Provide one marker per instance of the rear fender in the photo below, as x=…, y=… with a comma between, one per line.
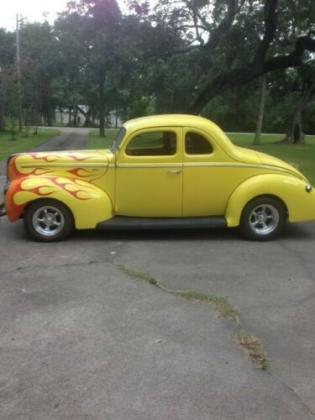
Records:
x=88, y=203
x=290, y=190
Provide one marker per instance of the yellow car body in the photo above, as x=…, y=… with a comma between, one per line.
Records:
x=142, y=180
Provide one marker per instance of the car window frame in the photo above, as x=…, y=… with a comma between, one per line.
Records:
x=217, y=155
x=194, y=131
x=123, y=157
x=158, y=130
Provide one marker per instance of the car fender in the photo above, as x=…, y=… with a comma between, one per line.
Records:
x=300, y=203
x=88, y=203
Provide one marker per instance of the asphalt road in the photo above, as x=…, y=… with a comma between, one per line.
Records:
x=66, y=141
x=82, y=339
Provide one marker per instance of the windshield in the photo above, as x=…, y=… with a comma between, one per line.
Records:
x=116, y=143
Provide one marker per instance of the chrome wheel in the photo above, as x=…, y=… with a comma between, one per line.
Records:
x=48, y=221
x=264, y=219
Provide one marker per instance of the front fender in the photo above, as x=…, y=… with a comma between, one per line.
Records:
x=88, y=203
x=291, y=191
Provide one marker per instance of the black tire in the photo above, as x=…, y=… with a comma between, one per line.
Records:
x=263, y=219
x=48, y=220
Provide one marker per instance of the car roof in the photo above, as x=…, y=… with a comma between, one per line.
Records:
x=180, y=120
x=168, y=120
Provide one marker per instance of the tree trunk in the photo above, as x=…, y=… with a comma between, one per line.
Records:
x=2, y=126
x=2, y=104
x=49, y=116
x=69, y=116
x=102, y=121
x=102, y=107
x=87, y=122
x=75, y=117
x=261, y=109
x=295, y=134
x=18, y=75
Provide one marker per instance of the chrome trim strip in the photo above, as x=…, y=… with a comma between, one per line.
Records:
x=68, y=165
x=150, y=165
x=244, y=165
x=202, y=165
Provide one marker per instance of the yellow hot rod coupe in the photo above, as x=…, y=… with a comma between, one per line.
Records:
x=162, y=171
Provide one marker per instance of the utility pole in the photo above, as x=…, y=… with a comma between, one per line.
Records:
x=18, y=73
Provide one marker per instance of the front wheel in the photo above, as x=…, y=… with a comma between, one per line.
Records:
x=263, y=219
x=48, y=220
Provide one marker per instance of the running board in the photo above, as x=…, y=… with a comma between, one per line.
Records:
x=138, y=223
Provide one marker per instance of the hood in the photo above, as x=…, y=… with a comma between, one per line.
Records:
x=73, y=163
x=251, y=156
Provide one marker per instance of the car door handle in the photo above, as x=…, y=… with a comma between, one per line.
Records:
x=174, y=171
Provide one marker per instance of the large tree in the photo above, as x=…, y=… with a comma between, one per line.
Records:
x=99, y=43
x=237, y=41
x=7, y=75
x=41, y=66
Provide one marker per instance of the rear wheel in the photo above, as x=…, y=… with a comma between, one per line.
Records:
x=48, y=220
x=263, y=219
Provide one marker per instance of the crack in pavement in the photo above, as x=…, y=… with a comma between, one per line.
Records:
x=292, y=391
x=298, y=256
x=45, y=266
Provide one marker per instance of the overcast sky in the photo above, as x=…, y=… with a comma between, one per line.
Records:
x=32, y=10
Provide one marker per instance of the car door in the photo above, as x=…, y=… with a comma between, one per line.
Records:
x=149, y=174
x=209, y=176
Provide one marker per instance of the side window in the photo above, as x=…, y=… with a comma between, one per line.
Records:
x=153, y=143
x=195, y=144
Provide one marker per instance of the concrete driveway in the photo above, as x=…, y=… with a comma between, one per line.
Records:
x=84, y=336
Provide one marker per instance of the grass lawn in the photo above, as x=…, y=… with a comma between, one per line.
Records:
x=23, y=144
x=302, y=156
x=97, y=142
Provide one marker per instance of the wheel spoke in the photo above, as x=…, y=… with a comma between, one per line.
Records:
x=264, y=219
x=48, y=221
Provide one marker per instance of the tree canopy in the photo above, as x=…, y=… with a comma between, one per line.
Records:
x=196, y=56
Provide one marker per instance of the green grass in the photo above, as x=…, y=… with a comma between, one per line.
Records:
x=302, y=156
x=97, y=142
x=22, y=144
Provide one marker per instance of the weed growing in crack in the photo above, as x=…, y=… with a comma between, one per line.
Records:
x=248, y=342
x=221, y=304
x=138, y=275
x=253, y=348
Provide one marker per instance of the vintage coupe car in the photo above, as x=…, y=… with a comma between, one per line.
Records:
x=162, y=171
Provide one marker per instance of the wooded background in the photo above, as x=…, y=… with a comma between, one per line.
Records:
x=225, y=59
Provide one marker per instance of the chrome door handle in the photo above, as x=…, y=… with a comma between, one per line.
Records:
x=174, y=171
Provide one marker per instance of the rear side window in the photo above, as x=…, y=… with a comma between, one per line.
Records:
x=153, y=143
x=195, y=144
